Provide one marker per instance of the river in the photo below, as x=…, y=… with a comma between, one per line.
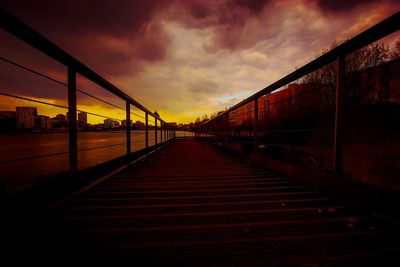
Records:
x=26, y=158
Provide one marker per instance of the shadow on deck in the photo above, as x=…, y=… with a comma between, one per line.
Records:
x=190, y=205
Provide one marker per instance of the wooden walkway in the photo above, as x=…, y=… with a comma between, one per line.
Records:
x=190, y=205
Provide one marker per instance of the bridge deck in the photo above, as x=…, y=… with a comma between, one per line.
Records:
x=191, y=205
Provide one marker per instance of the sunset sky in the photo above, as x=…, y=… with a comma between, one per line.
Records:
x=181, y=58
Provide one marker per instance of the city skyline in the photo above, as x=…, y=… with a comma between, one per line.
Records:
x=176, y=57
x=28, y=117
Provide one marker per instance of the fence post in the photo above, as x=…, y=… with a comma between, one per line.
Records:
x=72, y=125
x=227, y=127
x=147, y=130
x=161, y=131
x=128, y=127
x=165, y=131
x=338, y=135
x=255, y=126
x=155, y=130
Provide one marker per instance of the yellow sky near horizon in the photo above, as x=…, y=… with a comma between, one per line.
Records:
x=9, y=104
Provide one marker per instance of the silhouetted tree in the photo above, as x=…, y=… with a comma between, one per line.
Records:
x=361, y=59
x=395, y=53
x=213, y=115
x=366, y=57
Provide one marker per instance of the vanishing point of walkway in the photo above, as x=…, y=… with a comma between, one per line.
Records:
x=191, y=205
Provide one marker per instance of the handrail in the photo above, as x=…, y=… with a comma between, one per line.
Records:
x=13, y=25
x=338, y=55
x=376, y=32
x=16, y=27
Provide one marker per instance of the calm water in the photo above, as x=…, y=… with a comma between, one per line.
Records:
x=20, y=168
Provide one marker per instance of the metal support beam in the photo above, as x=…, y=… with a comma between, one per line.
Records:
x=72, y=124
x=161, y=131
x=128, y=127
x=147, y=130
x=227, y=128
x=155, y=129
x=255, y=127
x=338, y=135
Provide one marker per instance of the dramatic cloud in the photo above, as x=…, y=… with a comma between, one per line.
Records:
x=182, y=58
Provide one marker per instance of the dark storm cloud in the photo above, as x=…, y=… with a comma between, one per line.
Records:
x=75, y=16
x=227, y=17
x=198, y=10
x=335, y=6
x=76, y=25
x=255, y=6
x=114, y=38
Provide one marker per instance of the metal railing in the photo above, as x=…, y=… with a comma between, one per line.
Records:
x=162, y=130
x=219, y=127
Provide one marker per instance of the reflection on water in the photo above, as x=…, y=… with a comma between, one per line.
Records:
x=27, y=158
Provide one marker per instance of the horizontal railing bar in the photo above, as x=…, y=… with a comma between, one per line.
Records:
x=294, y=130
x=298, y=147
x=16, y=27
x=62, y=153
x=57, y=81
x=33, y=157
x=99, y=99
x=137, y=142
x=55, y=105
x=99, y=147
x=137, y=115
x=376, y=32
x=32, y=71
x=33, y=100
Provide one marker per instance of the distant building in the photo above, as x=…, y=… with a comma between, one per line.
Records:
x=139, y=125
x=7, y=115
x=26, y=117
x=123, y=123
x=98, y=127
x=43, y=122
x=172, y=125
x=59, y=121
x=82, y=119
x=110, y=124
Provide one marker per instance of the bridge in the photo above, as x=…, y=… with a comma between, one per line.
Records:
x=197, y=200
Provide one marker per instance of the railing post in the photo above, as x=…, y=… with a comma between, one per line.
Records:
x=338, y=135
x=147, y=130
x=255, y=126
x=165, y=131
x=161, y=131
x=155, y=129
x=128, y=127
x=227, y=127
x=72, y=125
